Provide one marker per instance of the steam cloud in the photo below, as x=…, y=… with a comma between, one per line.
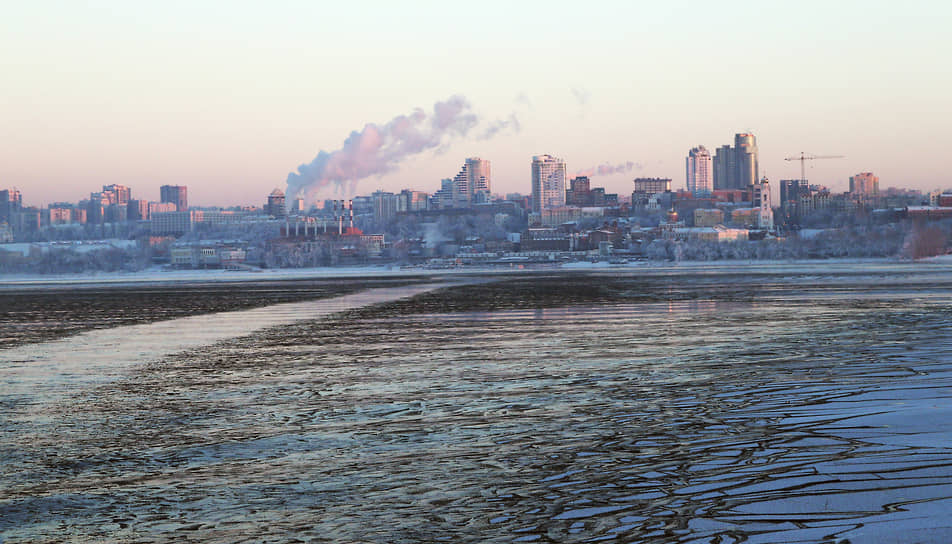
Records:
x=379, y=149
x=523, y=99
x=582, y=96
x=607, y=169
x=509, y=123
x=500, y=125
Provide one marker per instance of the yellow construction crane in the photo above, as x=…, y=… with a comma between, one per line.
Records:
x=804, y=157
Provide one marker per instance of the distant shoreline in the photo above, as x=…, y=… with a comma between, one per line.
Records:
x=218, y=276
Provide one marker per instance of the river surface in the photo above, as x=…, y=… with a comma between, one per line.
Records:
x=671, y=406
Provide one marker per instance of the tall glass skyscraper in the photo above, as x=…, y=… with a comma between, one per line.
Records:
x=548, y=182
x=473, y=184
x=737, y=167
x=700, y=171
x=745, y=149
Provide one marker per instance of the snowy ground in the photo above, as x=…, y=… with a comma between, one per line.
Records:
x=84, y=246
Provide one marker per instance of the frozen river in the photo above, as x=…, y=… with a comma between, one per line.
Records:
x=676, y=406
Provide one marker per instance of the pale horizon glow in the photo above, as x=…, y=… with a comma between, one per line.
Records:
x=229, y=98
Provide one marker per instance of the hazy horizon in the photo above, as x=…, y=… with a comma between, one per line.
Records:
x=229, y=99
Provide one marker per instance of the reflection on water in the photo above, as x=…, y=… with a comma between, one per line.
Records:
x=38, y=371
x=776, y=413
x=31, y=313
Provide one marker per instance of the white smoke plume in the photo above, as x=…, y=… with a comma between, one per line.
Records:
x=379, y=149
x=432, y=236
x=582, y=96
x=607, y=169
x=522, y=99
x=511, y=122
x=499, y=125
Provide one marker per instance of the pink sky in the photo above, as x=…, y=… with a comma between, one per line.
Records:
x=229, y=102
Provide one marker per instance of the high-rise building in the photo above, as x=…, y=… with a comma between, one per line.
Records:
x=443, y=199
x=652, y=185
x=175, y=194
x=276, y=206
x=548, y=182
x=700, y=171
x=580, y=192
x=723, y=167
x=737, y=167
x=11, y=201
x=789, y=191
x=114, y=213
x=160, y=207
x=28, y=219
x=412, y=201
x=864, y=184
x=361, y=205
x=789, y=200
x=460, y=189
x=61, y=213
x=138, y=210
x=96, y=208
x=120, y=194
x=745, y=152
x=480, y=175
x=473, y=183
x=385, y=205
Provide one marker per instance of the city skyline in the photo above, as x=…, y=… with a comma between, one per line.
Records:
x=618, y=177
x=550, y=186
x=151, y=95
x=549, y=173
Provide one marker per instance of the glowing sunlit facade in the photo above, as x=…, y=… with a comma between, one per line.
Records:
x=548, y=182
x=700, y=171
x=473, y=183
